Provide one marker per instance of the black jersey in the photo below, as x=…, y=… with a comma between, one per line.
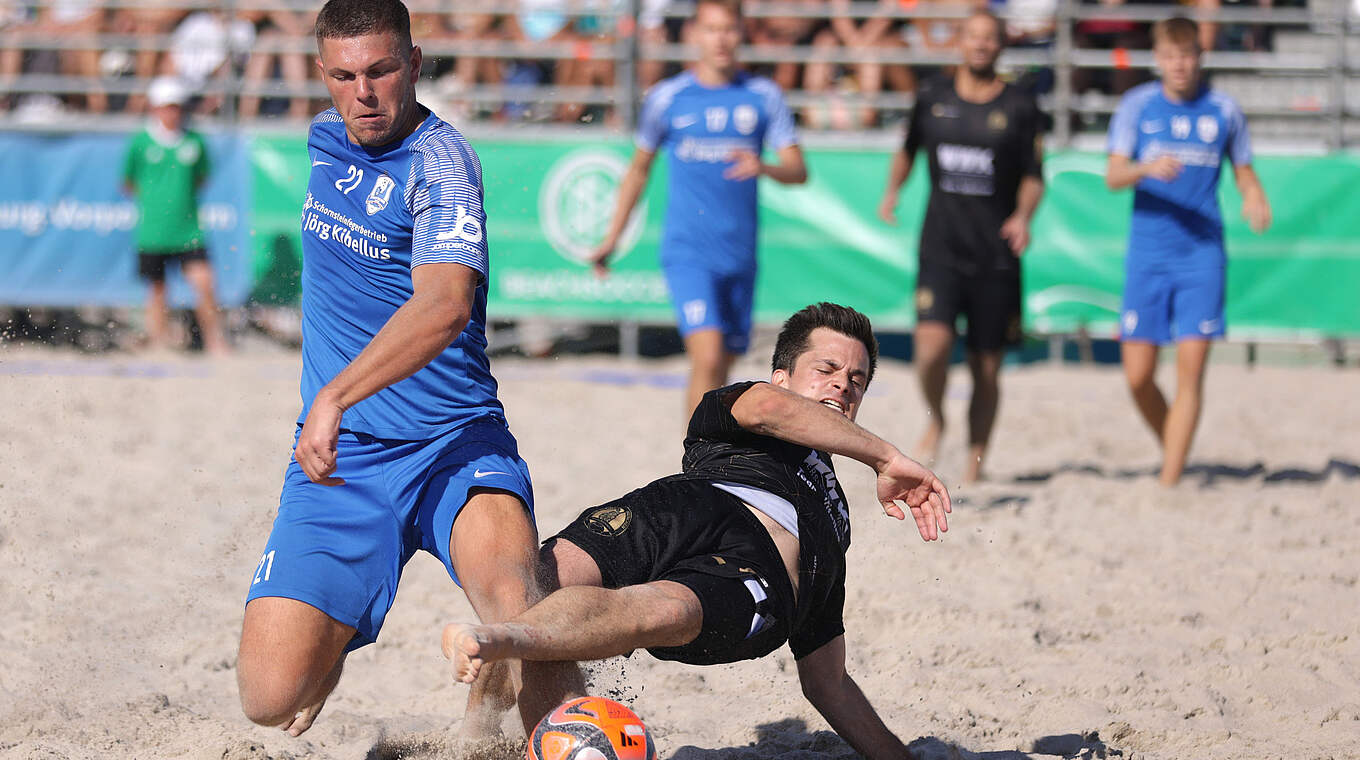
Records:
x=717, y=448
x=978, y=153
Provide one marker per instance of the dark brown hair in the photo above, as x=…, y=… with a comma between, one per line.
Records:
x=794, y=336
x=1177, y=30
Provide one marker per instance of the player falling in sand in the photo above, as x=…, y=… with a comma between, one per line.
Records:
x=1168, y=140
x=744, y=549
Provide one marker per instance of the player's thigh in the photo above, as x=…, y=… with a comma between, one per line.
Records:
x=197, y=269
x=1147, y=307
x=337, y=549
x=562, y=563
x=1197, y=304
x=736, y=298
x=694, y=295
x=743, y=610
x=473, y=500
x=1139, y=359
x=992, y=308
x=939, y=294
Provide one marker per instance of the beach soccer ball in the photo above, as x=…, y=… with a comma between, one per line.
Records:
x=591, y=728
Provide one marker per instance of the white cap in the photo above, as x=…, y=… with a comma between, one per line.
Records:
x=165, y=91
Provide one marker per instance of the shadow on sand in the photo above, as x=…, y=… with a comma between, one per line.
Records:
x=790, y=739
x=1206, y=473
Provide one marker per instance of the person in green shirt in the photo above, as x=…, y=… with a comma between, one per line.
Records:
x=164, y=169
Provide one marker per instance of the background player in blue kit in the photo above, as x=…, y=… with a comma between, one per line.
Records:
x=1168, y=139
x=401, y=432
x=715, y=120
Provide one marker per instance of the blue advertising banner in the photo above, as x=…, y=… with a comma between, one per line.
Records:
x=66, y=228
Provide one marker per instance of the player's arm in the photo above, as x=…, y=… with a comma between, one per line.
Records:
x=1255, y=205
x=438, y=310
x=1015, y=230
x=1122, y=171
x=791, y=169
x=830, y=689
x=630, y=189
x=769, y=410
x=898, y=172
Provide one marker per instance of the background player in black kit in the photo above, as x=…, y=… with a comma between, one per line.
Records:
x=745, y=548
x=985, y=149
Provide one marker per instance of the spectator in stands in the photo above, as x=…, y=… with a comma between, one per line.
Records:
x=471, y=70
x=150, y=23
x=655, y=29
x=798, y=29
x=1032, y=25
x=275, y=28
x=876, y=32
x=67, y=21
x=203, y=46
x=939, y=35
x=544, y=21
x=164, y=169
x=1118, y=36
x=588, y=69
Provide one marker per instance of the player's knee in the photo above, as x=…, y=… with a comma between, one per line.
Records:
x=267, y=699
x=670, y=617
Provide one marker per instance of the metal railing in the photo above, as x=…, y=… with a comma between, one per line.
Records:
x=1328, y=67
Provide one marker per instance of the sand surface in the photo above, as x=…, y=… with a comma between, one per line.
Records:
x=1072, y=595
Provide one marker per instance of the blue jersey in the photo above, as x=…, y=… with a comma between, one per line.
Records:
x=711, y=220
x=371, y=216
x=1177, y=224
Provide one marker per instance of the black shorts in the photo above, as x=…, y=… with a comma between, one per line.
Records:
x=990, y=303
x=151, y=266
x=689, y=532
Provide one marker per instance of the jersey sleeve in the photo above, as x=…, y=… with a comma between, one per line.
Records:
x=712, y=418
x=823, y=624
x=1238, y=146
x=444, y=192
x=1031, y=139
x=781, y=132
x=1123, y=137
x=651, y=131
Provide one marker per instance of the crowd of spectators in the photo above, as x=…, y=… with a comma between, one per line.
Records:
x=255, y=63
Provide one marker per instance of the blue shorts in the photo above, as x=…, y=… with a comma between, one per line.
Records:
x=707, y=300
x=341, y=549
x=1162, y=305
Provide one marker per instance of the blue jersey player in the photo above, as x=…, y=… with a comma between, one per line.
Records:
x=1168, y=140
x=715, y=121
x=401, y=432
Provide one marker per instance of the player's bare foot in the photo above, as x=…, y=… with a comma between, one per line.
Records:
x=303, y=719
x=463, y=644
x=927, y=449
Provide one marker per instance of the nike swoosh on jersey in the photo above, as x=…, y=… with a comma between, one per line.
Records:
x=1148, y=127
x=480, y=474
x=680, y=122
x=321, y=163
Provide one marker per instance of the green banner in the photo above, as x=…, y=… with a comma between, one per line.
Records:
x=548, y=203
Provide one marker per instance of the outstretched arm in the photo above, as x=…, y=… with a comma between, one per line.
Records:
x=770, y=410
x=438, y=310
x=838, y=698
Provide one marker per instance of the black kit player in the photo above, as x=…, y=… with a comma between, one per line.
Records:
x=745, y=548
x=983, y=140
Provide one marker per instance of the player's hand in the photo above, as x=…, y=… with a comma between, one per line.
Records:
x=599, y=258
x=906, y=480
x=887, y=208
x=315, y=451
x=1015, y=231
x=745, y=165
x=1165, y=168
x=1256, y=210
